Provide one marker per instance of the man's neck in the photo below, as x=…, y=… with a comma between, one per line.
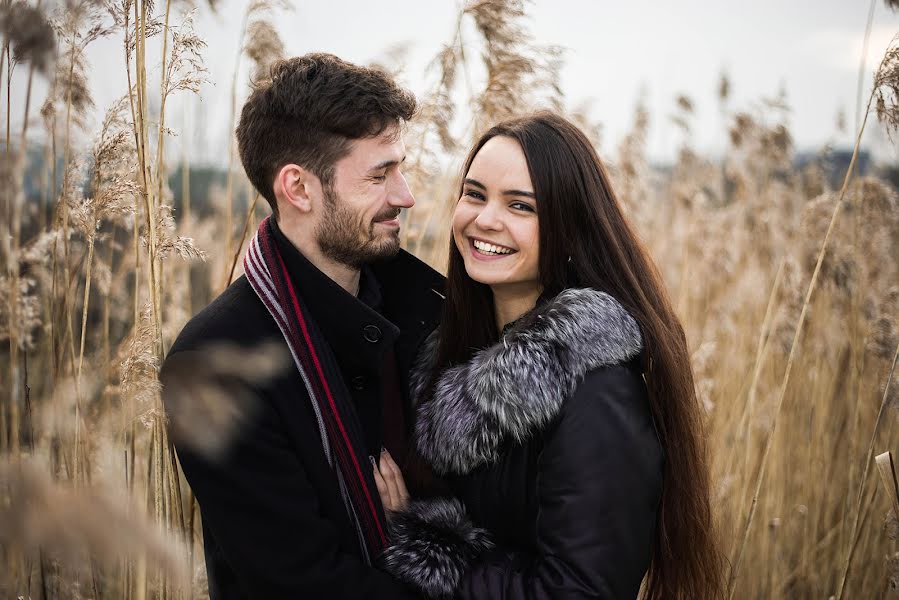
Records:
x=341, y=274
x=510, y=302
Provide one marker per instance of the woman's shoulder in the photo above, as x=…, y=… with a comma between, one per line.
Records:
x=610, y=403
x=612, y=385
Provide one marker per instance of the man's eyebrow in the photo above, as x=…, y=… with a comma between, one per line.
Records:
x=477, y=183
x=386, y=164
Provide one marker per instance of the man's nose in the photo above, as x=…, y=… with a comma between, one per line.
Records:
x=399, y=193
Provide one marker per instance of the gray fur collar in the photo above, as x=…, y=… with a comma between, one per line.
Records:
x=517, y=386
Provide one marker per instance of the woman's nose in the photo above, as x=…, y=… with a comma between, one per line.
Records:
x=489, y=217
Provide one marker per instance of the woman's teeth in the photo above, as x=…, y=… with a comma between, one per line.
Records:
x=490, y=248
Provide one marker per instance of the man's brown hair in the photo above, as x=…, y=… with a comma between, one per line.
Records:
x=308, y=111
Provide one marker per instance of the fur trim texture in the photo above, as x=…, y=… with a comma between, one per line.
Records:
x=517, y=386
x=432, y=544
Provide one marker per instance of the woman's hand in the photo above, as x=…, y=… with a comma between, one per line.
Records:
x=391, y=486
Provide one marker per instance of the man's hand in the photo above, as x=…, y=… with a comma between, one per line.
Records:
x=391, y=486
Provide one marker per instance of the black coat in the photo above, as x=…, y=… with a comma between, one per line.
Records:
x=274, y=523
x=547, y=440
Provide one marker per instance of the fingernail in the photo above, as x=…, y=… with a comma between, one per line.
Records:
x=383, y=450
x=372, y=459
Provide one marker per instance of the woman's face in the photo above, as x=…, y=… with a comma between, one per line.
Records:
x=495, y=223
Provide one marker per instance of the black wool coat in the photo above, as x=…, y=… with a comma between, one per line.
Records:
x=546, y=438
x=274, y=523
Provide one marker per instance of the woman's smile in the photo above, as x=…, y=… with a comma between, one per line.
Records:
x=484, y=250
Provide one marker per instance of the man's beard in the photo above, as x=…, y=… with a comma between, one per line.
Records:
x=344, y=237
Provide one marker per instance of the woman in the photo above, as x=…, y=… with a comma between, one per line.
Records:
x=557, y=398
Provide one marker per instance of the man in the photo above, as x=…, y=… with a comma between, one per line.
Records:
x=290, y=508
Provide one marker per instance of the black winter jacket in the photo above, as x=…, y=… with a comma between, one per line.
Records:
x=274, y=523
x=546, y=438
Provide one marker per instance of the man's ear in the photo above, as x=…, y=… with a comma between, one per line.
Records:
x=297, y=187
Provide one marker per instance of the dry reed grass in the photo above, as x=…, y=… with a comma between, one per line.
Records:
x=787, y=289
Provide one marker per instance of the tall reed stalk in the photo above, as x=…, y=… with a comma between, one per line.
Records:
x=794, y=347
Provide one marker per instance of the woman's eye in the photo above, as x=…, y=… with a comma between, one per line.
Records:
x=522, y=206
x=473, y=194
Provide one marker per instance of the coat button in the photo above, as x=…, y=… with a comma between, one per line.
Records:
x=358, y=382
x=372, y=333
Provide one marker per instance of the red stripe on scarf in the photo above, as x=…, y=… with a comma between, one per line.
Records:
x=324, y=382
x=270, y=250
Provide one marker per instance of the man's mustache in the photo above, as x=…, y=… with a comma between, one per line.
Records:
x=387, y=215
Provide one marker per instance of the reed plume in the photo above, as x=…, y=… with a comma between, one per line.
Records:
x=69, y=523
x=886, y=88
x=208, y=397
x=520, y=73
x=30, y=34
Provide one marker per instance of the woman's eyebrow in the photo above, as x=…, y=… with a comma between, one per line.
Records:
x=477, y=183
x=519, y=193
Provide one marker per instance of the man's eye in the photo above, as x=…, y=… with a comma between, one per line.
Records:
x=379, y=178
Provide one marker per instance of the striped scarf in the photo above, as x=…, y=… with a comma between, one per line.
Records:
x=340, y=430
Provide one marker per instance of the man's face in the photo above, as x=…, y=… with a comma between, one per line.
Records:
x=360, y=211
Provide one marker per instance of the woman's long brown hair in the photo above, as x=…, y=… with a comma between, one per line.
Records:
x=581, y=218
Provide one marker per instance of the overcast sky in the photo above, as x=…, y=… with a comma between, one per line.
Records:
x=616, y=53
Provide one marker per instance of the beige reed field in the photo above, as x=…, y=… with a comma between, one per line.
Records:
x=784, y=273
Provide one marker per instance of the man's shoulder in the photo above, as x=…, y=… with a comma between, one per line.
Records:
x=407, y=270
x=413, y=292
x=236, y=315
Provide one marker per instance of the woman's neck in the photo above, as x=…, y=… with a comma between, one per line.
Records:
x=512, y=301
